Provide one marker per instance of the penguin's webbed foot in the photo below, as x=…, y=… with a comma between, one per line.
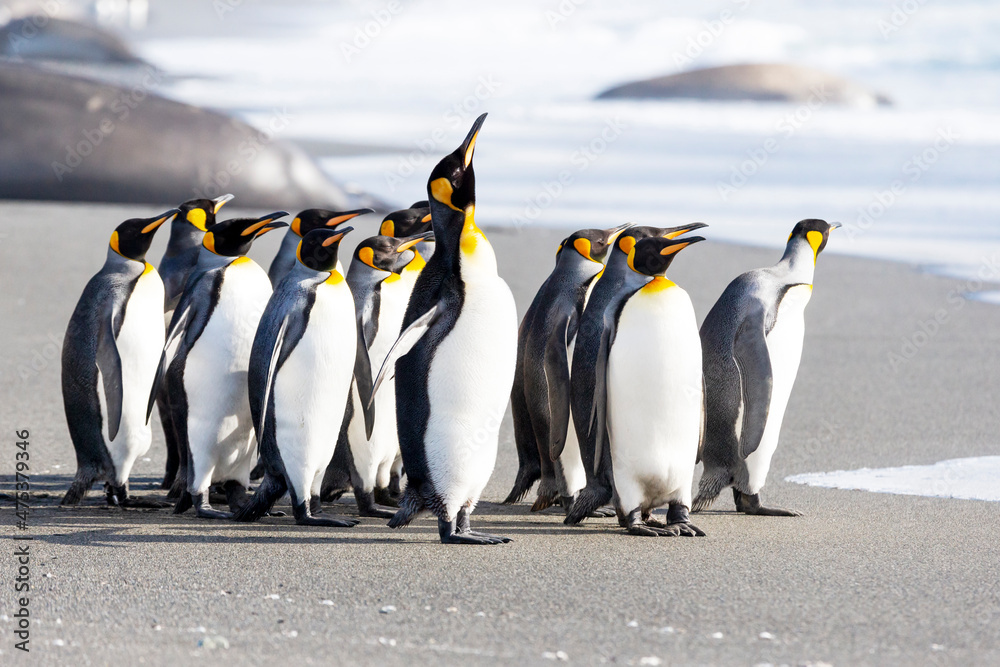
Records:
x=367, y=506
x=304, y=517
x=459, y=532
x=602, y=513
x=750, y=504
x=384, y=496
x=679, y=522
x=204, y=510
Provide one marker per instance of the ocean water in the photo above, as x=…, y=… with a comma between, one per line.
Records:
x=916, y=181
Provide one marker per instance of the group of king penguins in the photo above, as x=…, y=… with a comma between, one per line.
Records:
x=392, y=378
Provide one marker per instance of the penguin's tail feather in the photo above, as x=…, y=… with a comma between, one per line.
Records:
x=410, y=505
x=84, y=479
x=709, y=487
x=527, y=475
x=184, y=503
x=270, y=490
x=586, y=502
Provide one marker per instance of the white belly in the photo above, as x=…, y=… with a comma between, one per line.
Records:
x=373, y=457
x=139, y=342
x=655, y=399
x=784, y=345
x=220, y=431
x=469, y=383
x=310, y=390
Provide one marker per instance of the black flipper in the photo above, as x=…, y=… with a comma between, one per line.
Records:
x=263, y=499
x=363, y=384
x=599, y=405
x=754, y=363
x=109, y=362
x=557, y=382
x=410, y=336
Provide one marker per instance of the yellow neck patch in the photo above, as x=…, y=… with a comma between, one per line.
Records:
x=393, y=277
x=335, y=278
x=297, y=226
x=148, y=269
x=442, y=191
x=583, y=247
x=367, y=256
x=387, y=228
x=472, y=236
x=209, y=241
x=417, y=263
x=658, y=284
x=242, y=259
x=197, y=217
x=815, y=240
x=114, y=242
x=626, y=243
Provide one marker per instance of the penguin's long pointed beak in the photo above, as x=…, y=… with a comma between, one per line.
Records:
x=468, y=146
x=159, y=220
x=681, y=244
x=835, y=225
x=341, y=233
x=265, y=224
x=613, y=234
x=426, y=236
x=220, y=202
x=679, y=231
x=347, y=215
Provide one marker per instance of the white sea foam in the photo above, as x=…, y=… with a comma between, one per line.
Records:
x=975, y=478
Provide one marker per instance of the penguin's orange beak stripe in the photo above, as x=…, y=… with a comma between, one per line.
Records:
x=155, y=224
x=254, y=228
x=671, y=249
x=403, y=247
x=679, y=232
x=333, y=222
x=333, y=239
x=426, y=218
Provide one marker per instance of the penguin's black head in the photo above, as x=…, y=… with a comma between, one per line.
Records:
x=232, y=238
x=201, y=212
x=407, y=222
x=592, y=244
x=814, y=232
x=132, y=238
x=453, y=180
x=652, y=256
x=388, y=253
x=317, y=218
x=318, y=248
x=628, y=238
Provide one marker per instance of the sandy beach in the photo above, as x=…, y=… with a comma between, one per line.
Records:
x=897, y=369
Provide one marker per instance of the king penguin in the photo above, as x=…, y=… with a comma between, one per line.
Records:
x=540, y=397
x=752, y=342
x=380, y=284
x=186, y=233
x=109, y=358
x=456, y=359
x=302, y=224
x=587, y=394
x=410, y=222
x=301, y=368
x=654, y=395
x=205, y=360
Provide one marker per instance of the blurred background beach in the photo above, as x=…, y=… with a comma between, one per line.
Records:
x=375, y=92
